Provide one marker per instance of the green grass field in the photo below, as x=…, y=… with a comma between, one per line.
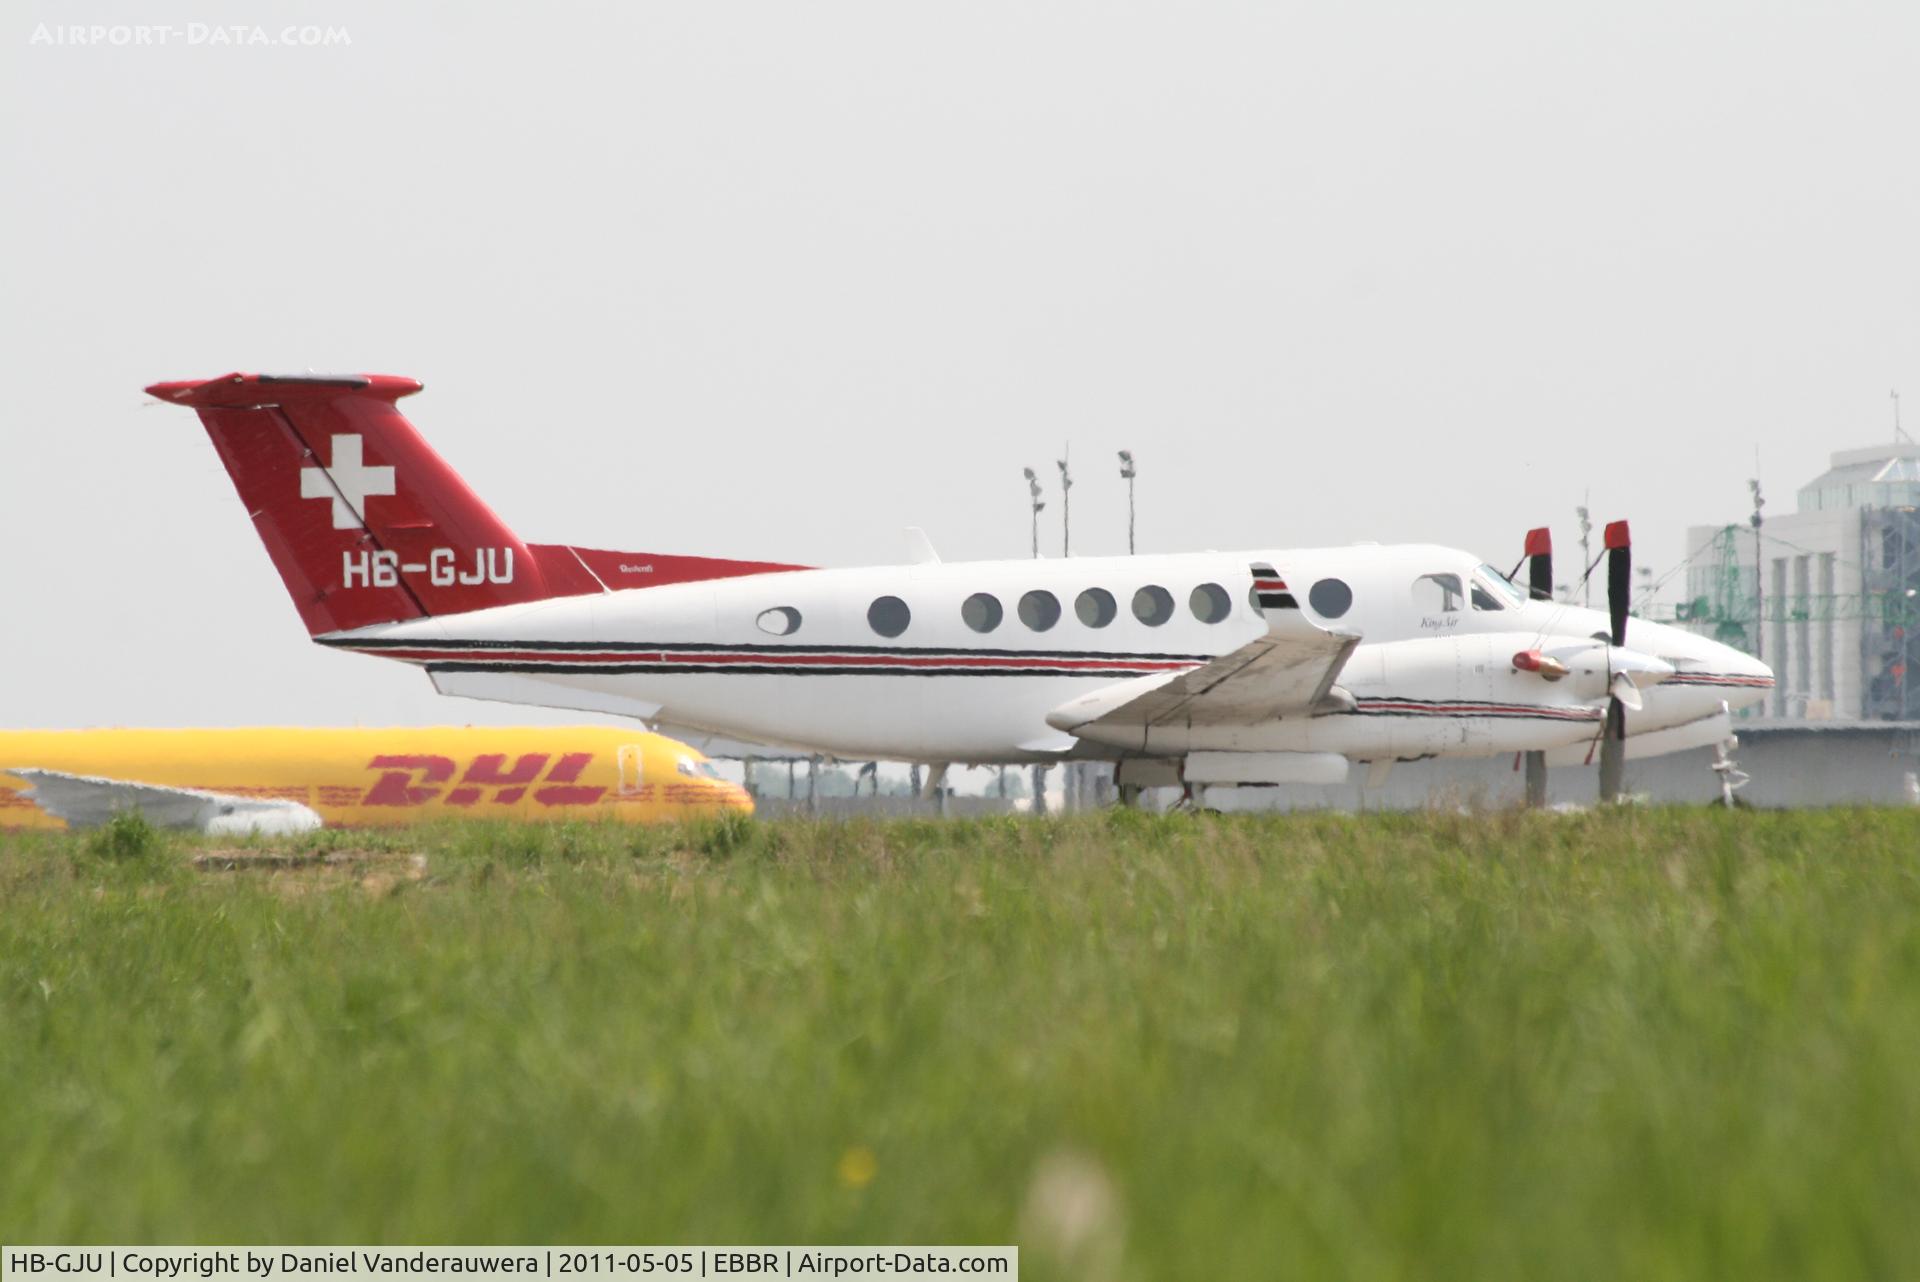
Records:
x=1646, y=1044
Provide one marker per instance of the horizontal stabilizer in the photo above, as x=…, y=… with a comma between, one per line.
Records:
x=87, y=801
x=573, y=694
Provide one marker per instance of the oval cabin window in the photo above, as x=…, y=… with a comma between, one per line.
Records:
x=982, y=612
x=889, y=616
x=1095, y=607
x=1210, y=603
x=1153, y=605
x=1330, y=598
x=1039, y=610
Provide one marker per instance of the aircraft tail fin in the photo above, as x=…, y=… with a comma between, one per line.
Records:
x=368, y=524
x=364, y=520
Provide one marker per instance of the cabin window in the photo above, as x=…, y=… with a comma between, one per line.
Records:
x=1039, y=610
x=1438, y=594
x=1096, y=607
x=982, y=612
x=1153, y=605
x=1330, y=598
x=780, y=621
x=889, y=616
x=1210, y=603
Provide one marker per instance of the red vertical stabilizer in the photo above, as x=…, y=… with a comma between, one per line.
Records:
x=368, y=524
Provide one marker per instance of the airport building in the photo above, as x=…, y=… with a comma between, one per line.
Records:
x=1828, y=595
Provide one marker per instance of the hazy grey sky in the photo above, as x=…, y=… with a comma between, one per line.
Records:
x=776, y=280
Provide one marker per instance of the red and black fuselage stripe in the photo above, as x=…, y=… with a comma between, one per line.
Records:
x=665, y=658
x=621, y=658
x=1739, y=680
x=1461, y=708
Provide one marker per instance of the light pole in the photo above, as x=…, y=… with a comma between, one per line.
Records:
x=1586, y=559
x=1126, y=474
x=1033, y=496
x=1066, y=509
x=1759, y=628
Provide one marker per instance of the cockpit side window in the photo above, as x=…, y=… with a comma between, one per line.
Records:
x=1493, y=590
x=1438, y=594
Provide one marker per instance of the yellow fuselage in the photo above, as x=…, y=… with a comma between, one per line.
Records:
x=387, y=777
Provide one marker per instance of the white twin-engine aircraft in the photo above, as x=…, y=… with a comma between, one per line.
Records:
x=1277, y=665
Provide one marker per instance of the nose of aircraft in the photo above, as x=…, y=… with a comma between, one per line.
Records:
x=1747, y=679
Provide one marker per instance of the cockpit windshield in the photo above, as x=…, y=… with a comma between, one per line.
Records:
x=1493, y=590
x=696, y=769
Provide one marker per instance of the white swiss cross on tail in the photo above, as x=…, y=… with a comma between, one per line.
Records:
x=348, y=482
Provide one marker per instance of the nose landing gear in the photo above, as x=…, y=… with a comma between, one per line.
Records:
x=1732, y=777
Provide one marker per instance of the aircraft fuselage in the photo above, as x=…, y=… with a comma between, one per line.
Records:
x=964, y=661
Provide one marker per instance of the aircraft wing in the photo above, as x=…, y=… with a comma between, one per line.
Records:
x=86, y=801
x=1288, y=672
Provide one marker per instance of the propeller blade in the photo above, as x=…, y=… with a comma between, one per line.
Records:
x=1613, y=752
x=1619, y=577
x=1540, y=564
x=1536, y=779
x=1623, y=694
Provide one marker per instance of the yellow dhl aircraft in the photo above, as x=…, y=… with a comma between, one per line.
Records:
x=295, y=780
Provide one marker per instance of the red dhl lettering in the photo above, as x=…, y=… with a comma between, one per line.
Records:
x=396, y=786
x=417, y=780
